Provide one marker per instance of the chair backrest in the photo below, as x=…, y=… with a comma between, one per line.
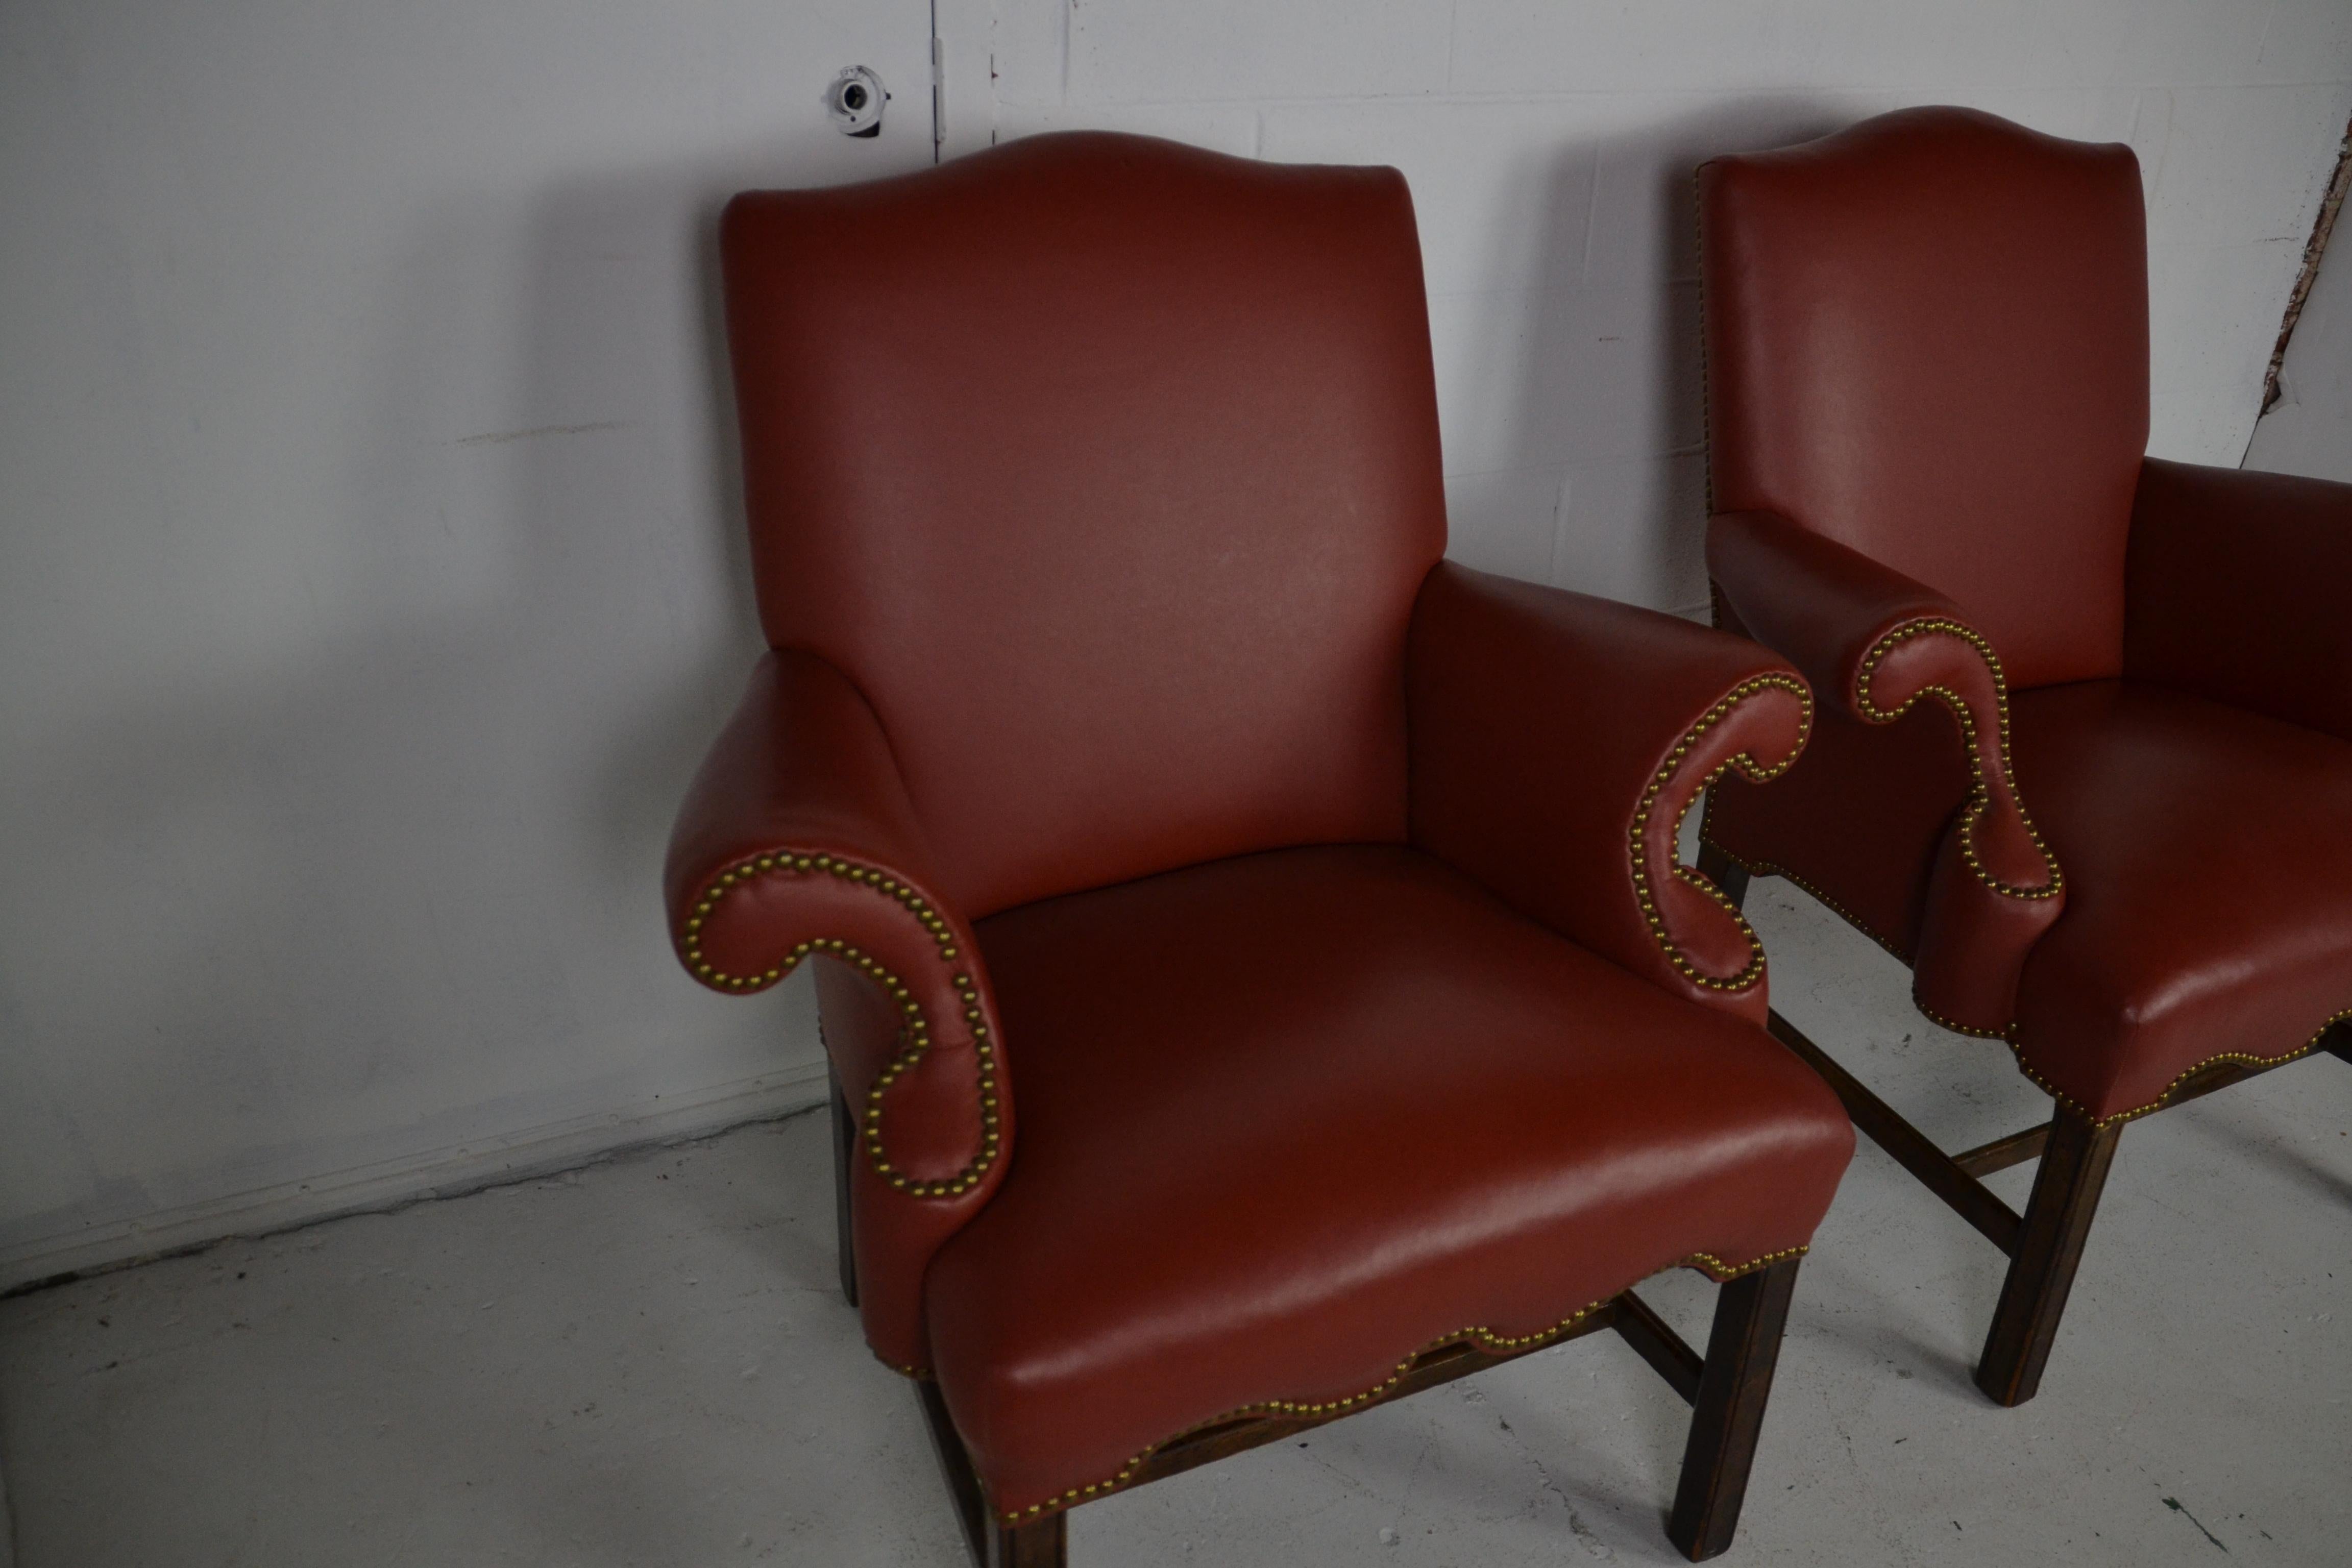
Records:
x=1108, y=469
x=1926, y=338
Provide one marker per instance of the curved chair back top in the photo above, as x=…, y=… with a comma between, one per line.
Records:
x=1926, y=338
x=1108, y=469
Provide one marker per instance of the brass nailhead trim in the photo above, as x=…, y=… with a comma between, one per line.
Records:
x=2164, y=1098
x=1748, y=769
x=1980, y=799
x=2009, y=1036
x=1954, y=1024
x=1769, y=869
x=1979, y=788
x=1722, y=1273
x=1706, y=1262
x=914, y=1028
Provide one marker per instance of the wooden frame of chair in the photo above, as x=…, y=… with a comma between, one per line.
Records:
x=1726, y=1389
x=2045, y=1243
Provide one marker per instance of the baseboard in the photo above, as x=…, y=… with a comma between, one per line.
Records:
x=432, y=1174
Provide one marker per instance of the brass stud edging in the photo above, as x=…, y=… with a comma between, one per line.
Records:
x=914, y=1028
x=1722, y=1273
x=1956, y=1026
x=1479, y=1334
x=2165, y=1097
x=1979, y=788
x=2008, y=1036
x=1773, y=869
x=1637, y=840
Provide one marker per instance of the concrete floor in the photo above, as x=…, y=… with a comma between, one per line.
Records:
x=646, y=1362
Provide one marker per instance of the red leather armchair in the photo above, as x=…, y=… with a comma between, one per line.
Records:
x=2082, y=760
x=1254, y=963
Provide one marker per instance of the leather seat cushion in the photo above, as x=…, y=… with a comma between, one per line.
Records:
x=2209, y=903
x=1288, y=1118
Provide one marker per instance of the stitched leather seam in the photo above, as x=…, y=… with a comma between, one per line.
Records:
x=1706, y=1262
x=914, y=1032
x=1748, y=769
x=1979, y=788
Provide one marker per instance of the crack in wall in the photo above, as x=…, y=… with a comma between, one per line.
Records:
x=2322, y=225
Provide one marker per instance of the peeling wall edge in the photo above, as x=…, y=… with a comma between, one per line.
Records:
x=2322, y=225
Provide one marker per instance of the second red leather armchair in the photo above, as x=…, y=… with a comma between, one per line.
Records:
x=2082, y=760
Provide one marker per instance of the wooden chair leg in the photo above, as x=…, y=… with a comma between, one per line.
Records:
x=845, y=1145
x=994, y=1544
x=1045, y=1544
x=1724, y=872
x=1741, y=1352
x=2057, y=1222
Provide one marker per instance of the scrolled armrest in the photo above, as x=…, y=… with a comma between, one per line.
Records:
x=797, y=840
x=1558, y=741
x=2234, y=590
x=797, y=837
x=1877, y=642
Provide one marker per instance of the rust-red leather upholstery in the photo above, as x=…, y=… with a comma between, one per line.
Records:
x=1290, y=1117
x=2236, y=588
x=1121, y=558
x=2082, y=758
x=1127, y=756
x=1927, y=339
x=2209, y=857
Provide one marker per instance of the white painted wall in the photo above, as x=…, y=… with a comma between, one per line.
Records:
x=369, y=569
x=1550, y=146
x=2309, y=429
x=370, y=581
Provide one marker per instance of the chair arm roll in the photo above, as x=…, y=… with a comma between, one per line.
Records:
x=1557, y=741
x=1877, y=643
x=797, y=840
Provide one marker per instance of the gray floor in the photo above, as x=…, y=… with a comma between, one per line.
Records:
x=646, y=1362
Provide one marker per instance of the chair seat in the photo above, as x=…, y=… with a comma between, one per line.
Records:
x=2209, y=903
x=1286, y=1118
